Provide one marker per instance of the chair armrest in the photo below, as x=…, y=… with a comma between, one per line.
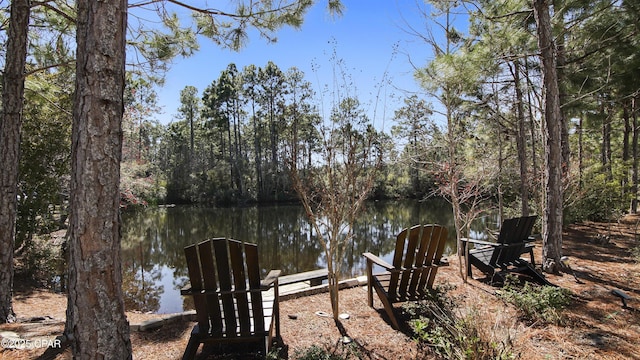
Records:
x=480, y=242
x=272, y=278
x=523, y=243
x=376, y=260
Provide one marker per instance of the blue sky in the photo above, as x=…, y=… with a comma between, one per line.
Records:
x=371, y=38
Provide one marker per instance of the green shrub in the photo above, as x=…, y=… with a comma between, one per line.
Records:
x=139, y=185
x=598, y=199
x=274, y=354
x=635, y=253
x=39, y=260
x=317, y=353
x=437, y=324
x=536, y=303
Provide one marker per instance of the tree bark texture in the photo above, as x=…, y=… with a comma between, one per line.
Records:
x=561, y=62
x=532, y=123
x=552, y=129
x=634, y=155
x=521, y=140
x=580, y=133
x=96, y=322
x=625, y=147
x=605, y=150
x=10, y=126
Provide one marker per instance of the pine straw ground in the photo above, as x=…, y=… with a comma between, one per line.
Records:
x=596, y=326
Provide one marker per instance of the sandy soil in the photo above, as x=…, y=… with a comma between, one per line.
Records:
x=596, y=326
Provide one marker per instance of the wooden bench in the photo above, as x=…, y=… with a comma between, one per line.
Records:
x=315, y=277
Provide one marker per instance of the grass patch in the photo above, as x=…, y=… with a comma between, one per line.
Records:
x=635, y=253
x=315, y=352
x=451, y=332
x=536, y=303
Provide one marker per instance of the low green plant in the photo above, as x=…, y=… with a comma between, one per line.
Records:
x=440, y=325
x=274, y=354
x=597, y=198
x=39, y=260
x=318, y=353
x=635, y=253
x=537, y=303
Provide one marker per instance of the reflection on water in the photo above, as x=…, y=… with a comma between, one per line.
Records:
x=153, y=239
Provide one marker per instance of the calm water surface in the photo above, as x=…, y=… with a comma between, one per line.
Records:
x=153, y=239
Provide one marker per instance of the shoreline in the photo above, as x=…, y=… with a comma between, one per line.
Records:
x=596, y=326
x=294, y=292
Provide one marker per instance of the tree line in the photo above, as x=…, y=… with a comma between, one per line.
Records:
x=233, y=143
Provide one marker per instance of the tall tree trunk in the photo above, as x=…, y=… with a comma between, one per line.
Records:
x=500, y=158
x=500, y=177
x=634, y=155
x=273, y=135
x=534, y=132
x=626, y=156
x=606, y=141
x=232, y=164
x=521, y=140
x=552, y=220
x=416, y=156
x=579, y=131
x=191, y=138
x=237, y=140
x=532, y=123
x=96, y=322
x=257, y=151
x=10, y=126
x=627, y=131
x=562, y=91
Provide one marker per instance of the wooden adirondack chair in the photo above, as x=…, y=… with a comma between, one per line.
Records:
x=495, y=259
x=230, y=300
x=415, y=263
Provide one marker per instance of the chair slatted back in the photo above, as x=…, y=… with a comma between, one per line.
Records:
x=516, y=229
x=225, y=278
x=514, y=234
x=417, y=250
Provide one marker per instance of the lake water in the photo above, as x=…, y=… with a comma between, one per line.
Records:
x=153, y=239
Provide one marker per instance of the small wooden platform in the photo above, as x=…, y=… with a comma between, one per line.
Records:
x=314, y=277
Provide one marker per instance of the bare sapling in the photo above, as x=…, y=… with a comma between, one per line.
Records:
x=334, y=189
